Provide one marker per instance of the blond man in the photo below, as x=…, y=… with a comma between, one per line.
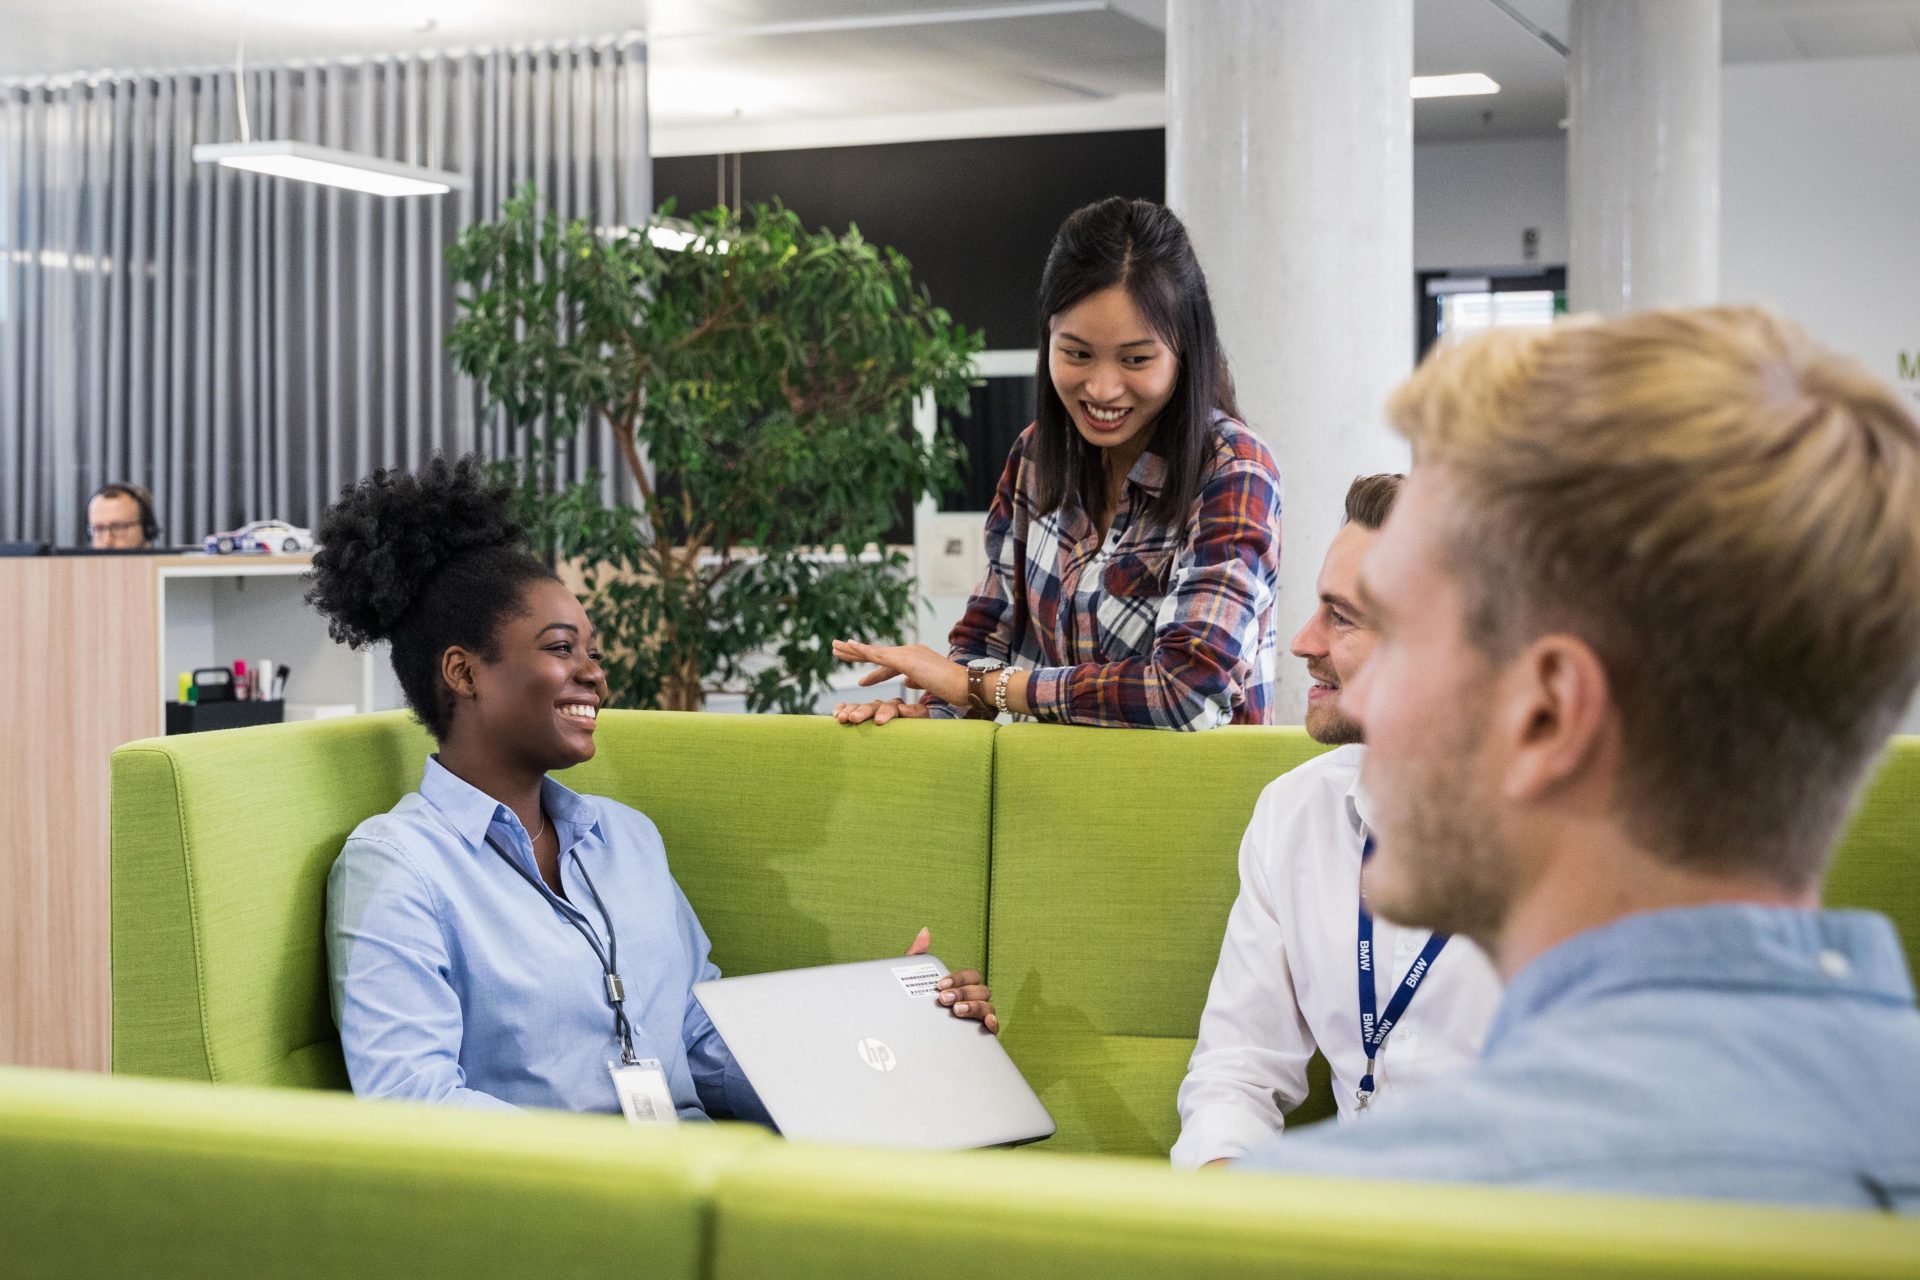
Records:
x=1648, y=607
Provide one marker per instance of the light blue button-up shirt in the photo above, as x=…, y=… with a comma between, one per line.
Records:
x=455, y=980
x=1735, y=1052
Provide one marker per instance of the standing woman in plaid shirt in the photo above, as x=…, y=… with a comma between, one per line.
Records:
x=1133, y=546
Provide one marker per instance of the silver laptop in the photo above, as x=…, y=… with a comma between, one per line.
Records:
x=863, y=1053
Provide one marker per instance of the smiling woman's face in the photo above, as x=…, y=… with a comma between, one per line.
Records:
x=538, y=699
x=1111, y=370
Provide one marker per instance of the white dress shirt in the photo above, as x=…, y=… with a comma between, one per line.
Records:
x=1288, y=977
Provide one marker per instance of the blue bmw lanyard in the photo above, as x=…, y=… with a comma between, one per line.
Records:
x=1374, y=1028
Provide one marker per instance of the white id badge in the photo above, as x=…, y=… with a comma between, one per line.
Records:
x=644, y=1095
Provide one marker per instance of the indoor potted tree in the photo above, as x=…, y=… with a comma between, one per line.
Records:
x=758, y=382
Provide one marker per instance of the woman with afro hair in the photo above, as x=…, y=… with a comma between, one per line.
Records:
x=472, y=928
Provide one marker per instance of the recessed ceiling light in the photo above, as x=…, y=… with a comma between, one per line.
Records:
x=1463, y=85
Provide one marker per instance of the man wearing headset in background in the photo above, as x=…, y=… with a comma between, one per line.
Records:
x=120, y=518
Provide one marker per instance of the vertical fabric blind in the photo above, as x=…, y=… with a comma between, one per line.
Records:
x=245, y=345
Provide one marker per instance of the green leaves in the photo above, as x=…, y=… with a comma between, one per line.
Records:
x=769, y=387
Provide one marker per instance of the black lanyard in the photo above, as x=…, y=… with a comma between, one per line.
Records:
x=1373, y=1030
x=609, y=958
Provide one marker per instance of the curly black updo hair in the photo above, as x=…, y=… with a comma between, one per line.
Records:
x=424, y=561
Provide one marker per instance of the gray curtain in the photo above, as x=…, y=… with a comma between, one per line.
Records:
x=245, y=345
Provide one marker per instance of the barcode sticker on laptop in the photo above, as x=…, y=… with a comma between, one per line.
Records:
x=918, y=980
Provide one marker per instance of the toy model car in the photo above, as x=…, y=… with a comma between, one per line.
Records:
x=261, y=535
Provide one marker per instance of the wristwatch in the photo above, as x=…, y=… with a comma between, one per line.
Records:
x=978, y=669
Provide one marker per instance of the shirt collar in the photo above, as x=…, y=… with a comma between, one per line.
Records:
x=1724, y=947
x=1149, y=473
x=1358, y=806
x=1149, y=470
x=471, y=812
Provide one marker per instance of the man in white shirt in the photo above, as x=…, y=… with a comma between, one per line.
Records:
x=1290, y=968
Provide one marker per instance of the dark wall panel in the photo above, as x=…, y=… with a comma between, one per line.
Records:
x=974, y=216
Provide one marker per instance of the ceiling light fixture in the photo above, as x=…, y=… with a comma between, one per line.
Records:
x=330, y=166
x=308, y=162
x=1464, y=85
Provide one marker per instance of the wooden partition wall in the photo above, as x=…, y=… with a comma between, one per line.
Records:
x=89, y=649
x=79, y=659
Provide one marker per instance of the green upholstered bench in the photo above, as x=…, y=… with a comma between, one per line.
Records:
x=1090, y=870
x=114, y=1176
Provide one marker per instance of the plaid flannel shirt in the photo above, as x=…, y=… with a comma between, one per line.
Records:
x=1158, y=627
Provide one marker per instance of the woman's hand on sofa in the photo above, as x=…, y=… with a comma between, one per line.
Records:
x=963, y=993
x=879, y=711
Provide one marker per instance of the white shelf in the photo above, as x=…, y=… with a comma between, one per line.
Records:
x=215, y=610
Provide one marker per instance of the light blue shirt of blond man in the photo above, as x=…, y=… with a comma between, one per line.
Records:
x=1737, y=1052
x=455, y=980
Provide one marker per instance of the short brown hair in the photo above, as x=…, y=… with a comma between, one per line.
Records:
x=1729, y=514
x=1370, y=498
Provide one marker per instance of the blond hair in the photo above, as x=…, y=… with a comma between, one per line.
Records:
x=1729, y=514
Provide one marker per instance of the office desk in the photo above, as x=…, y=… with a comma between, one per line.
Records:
x=92, y=649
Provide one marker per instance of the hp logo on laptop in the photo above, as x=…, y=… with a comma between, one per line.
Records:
x=876, y=1054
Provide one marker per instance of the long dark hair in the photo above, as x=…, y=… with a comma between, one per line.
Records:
x=1144, y=249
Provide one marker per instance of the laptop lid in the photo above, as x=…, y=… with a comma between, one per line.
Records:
x=861, y=1053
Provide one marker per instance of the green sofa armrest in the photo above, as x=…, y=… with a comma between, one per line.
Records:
x=112, y=1177
x=221, y=846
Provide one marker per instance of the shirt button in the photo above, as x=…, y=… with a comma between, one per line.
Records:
x=1834, y=965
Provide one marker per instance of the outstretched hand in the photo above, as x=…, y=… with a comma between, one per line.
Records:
x=918, y=665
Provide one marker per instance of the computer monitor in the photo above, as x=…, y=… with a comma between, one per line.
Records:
x=24, y=548
x=122, y=551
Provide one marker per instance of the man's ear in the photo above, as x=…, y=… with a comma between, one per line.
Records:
x=1555, y=702
x=456, y=669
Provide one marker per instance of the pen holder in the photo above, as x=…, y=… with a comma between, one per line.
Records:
x=189, y=717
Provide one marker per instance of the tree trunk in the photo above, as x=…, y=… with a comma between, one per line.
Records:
x=682, y=692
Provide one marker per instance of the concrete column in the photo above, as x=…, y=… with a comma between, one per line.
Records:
x=1643, y=154
x=1290, y=158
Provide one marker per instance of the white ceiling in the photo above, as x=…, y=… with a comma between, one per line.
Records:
x=721, y=81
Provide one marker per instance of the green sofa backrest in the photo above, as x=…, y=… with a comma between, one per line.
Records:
x=798, y=842
x=801, y=843
x=1115, y=863
x=1877, y=863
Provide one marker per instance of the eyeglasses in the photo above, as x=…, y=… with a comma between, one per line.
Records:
x=118, y=526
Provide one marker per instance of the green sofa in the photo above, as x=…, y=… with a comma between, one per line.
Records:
x=1089, y=872
x=115, y=1177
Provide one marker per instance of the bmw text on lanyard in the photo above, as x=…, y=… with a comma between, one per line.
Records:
x=1374, y=1028
x=609, y=958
